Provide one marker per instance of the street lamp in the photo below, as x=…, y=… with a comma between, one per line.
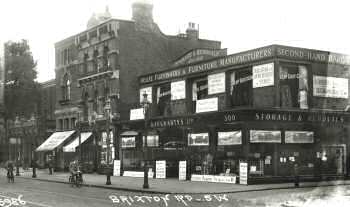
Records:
x=78, y=125
x=107, y=113
x=145, y=104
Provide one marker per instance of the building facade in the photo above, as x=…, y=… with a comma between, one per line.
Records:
x=271, y=107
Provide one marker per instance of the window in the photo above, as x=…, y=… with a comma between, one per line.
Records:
x=93, y=34
x=163, y=99
x=105, y=61
x=66, y=88
x=94, y=61
x=199, y=89
x=293, y=86
x=241, y=88
x=152, y=140
x=103, y=29
x=85, y=64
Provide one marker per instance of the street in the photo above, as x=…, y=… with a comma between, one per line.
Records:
x=27, y=192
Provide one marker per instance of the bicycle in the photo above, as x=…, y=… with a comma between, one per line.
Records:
x=76, y=179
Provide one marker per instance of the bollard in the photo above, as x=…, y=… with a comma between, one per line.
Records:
x=50, y=170
x=296, y=176
x=34, y=172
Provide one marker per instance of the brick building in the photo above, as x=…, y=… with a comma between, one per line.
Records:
x=100, y=65
x=271, y=107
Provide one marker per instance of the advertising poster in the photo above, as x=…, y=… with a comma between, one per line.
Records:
x=128, y=142
x=178, y=90
x=262, y=136
x=152, y=140
x=160, y=169
x=263, y=75
x=216, y=83
x=201, y=139
x=136, y=114
x=299, y=137
x=243, y=173
x=148, y=91
x=116, y=168
x=230, y=138
x=182, y=170
x=205, y=105
x=330, y=87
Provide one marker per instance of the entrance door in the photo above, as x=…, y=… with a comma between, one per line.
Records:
x=333, y=159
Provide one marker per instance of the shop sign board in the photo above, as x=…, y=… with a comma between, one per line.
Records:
x=230, y=138
x=263, y=75
x=262, y=136
x=148, y=91
x=160, y=169
x=136, y=114
x=299, y=137
x=182, y=170
x=128, y=142
x=201, y=139
x=216, y=83
x=178, y=90
x=137, y=174
x=116, y=168
x=213, y=178
x=205, y=105
x=199, y=55
x=243, y=173
x=330, y=87
x=152, y=140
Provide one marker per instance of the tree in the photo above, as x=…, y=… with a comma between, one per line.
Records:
x=22, y=90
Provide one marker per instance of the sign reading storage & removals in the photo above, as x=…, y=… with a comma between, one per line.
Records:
x=263, y=75
x=182, y=170
x=243, y=173
x=160, y=169
x=116, y=168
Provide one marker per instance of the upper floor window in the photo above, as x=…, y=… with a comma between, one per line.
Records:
x=66, y=87
x=95, y=61
x=241, y=88
x=199, y=89
x=105, y=60
x=163, y=99
x=293, y=86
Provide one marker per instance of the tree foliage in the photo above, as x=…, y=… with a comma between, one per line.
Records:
x=21, y=90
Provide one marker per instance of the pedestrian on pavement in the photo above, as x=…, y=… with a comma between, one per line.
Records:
x=50, y=163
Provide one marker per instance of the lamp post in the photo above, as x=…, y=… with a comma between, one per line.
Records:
x=107, y=113
x=145, y=104
x=78, y=125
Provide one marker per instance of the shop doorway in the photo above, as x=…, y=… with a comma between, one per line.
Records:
x=334, y=159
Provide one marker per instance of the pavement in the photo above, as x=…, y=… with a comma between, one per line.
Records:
x=165, y=186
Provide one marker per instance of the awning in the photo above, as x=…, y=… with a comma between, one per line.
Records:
x=54, y=140
x=75, y=143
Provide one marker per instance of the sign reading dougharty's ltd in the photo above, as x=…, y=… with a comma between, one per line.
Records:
x=263, y=75
x=216, y=83
x=171, y=122
x=330, y=87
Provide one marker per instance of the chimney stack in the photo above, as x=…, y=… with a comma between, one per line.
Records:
x=192, y=31
x=142, y=14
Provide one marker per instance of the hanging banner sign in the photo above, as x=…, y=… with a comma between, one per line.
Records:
x=160, y=169
x=136, y=114
x=263, y=75
x=148, y=91
x=178, y=90
x=205, y=105
x=330, y=87
x=216, y=83
x=299, y=137
x=182, y=170
x=116, y=168
x=261, y=136
x=243, y=173
x=230, y=138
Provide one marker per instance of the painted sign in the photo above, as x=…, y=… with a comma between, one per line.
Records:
x=147, y=91
x=160, y=169
x=216, y=83
x=178, y=90
x=213, y=178
x=330, y=87
x=201, y=139
x=182, y=170
x=243, y=173
x=263, y=75
x=128, y=142
x=116, y=168
x=262, y=136
x=171, y=122
x=299, y=137
x=136, y=114
x=199, y=55
x=230, y=138
x=205, y=105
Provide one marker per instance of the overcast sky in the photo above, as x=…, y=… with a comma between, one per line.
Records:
x=239, y=24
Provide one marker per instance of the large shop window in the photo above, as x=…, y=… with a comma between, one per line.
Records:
x=163, y=99
x=104, y=148
x=293, y=86
x=200, y=89
x=200, y=139
x=152, y=140
x=241, y=88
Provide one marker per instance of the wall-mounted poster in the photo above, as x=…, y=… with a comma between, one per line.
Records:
x=216, y=83
x=230, y=138
x=262, y=136
x=299, y=137
x=178, y=90
x=148, y=91
x=128, y=142
x=160, y=169
x=201, y=139
x=205, y=105
x=152, y=140
x=263, y=75
x=136, y=114
x=330, y=87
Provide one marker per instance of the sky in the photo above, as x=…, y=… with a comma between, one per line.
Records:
x=239, y=24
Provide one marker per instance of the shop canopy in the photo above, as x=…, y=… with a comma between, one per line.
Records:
x=75, y=143
x=54, y=141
